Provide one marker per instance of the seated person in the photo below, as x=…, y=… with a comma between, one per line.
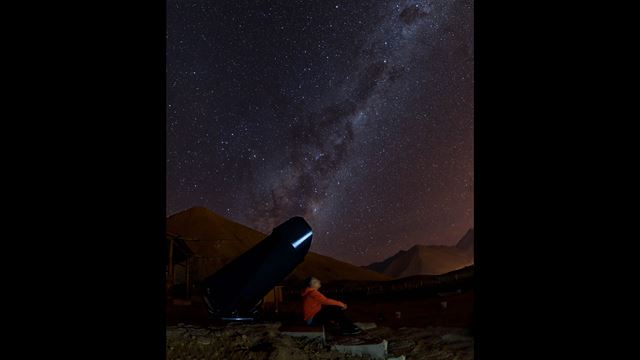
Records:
x=318, y=309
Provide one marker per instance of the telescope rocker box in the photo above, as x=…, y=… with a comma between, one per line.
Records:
x=235, y=292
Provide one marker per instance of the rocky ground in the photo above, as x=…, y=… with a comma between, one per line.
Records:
x=263, y=341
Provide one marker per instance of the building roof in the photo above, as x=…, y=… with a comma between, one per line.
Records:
x=181, y=250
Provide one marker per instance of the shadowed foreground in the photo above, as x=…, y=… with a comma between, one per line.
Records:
x=263, y=341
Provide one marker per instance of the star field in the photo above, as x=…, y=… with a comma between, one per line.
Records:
x=356, y=115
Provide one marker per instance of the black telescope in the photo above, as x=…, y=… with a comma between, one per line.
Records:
x=235, y=292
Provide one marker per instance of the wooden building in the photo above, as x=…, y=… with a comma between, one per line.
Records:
x=179, y=259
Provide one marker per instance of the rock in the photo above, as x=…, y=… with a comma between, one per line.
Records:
x=366, y=326
x=175, y=332
x=204, y=341
x=200, y=332
x=401, y=346
x=451, y=338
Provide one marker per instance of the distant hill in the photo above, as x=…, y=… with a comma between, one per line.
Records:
x=217, y=240
x=466, y=243
x=428, y=259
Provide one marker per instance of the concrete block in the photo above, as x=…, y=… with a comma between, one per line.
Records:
x=366, y=325
x=302, y=330
x=376, y=350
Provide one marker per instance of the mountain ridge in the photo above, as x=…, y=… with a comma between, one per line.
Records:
x=428, y=259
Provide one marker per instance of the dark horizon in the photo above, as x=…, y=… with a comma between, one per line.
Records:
x=342, y=113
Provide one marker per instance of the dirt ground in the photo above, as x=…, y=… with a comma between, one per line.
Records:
x=263, y=341
x=452, y=310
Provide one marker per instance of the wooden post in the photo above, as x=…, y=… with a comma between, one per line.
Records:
x=275, y=297
x=188, y=281
x=171, y=279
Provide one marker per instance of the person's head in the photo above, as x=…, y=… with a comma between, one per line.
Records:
x=313, y=282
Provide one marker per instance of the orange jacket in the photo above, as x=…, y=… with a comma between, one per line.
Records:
x=312, y=301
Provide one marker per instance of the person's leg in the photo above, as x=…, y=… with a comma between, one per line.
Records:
x=331, y=312
x=336, y=313
x=320, y=318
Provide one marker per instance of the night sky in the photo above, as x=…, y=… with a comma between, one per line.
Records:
x=357, y=115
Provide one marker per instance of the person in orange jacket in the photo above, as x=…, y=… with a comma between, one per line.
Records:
x=318, y=309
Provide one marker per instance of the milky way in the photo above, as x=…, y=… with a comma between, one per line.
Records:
x=356, y=115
